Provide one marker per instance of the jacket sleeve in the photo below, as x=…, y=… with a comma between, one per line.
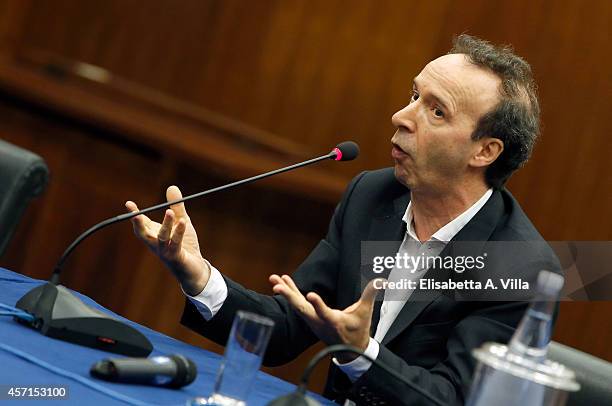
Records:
x=291, y=335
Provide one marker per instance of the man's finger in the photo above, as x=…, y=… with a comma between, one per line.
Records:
x=322, y=310
x=294, y=297
x=174, y=193
x=280, y=287
x=177, y=235
x=370, y=292
x=275, y=280
x=163, y=236
x=140, y=222
x=287, y=279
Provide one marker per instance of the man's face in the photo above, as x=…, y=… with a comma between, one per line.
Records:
x=432, y=146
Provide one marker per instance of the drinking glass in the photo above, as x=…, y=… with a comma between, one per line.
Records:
x=244, y=353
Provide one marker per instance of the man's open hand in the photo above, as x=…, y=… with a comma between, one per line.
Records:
x=349, y=326
x=175, y=242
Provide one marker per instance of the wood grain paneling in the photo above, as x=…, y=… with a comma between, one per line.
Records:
x=318, y=72
x=246, y=233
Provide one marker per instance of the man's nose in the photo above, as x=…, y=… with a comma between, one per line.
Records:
x=404, y=118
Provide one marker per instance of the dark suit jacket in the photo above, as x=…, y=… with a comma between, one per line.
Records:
x=431, y=340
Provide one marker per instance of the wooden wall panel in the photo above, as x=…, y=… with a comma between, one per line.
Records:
x=247, y=234
x=568, y=172
x=317, y=72
x=282, y=79
x=304, y=70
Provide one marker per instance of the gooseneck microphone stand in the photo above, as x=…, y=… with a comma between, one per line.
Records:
x=299, y=397
x=60, y=314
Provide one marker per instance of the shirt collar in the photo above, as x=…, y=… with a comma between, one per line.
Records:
x=448, y=231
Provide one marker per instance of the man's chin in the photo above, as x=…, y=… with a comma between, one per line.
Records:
x=402, y=175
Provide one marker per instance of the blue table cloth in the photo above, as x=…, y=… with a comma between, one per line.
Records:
x=17, y=371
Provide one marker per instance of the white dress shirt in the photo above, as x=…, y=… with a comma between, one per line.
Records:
x=209, y=301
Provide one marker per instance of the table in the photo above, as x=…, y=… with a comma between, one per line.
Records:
x=78, y=359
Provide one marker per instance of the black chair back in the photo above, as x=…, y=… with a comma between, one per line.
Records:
x=593, y=374
x=23, y=175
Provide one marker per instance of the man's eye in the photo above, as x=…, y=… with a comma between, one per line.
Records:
x=438, y=112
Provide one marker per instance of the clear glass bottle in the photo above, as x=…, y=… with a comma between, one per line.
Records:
x=532, y=336
x=519, y=373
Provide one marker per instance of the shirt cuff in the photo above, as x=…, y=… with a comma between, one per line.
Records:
x=211, y=298
x=360, y=365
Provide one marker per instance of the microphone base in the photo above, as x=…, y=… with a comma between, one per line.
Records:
x=61, y=315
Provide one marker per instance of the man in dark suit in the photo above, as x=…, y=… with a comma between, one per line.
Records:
x=471, y=122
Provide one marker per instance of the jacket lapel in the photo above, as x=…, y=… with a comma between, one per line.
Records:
x=479, y=229
x=387, y=226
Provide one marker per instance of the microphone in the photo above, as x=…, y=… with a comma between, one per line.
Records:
x=346, y=151
x=60, y=314
x=299, y=396
x=174, y=371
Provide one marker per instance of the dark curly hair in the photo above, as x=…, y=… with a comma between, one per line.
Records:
x=515, y=119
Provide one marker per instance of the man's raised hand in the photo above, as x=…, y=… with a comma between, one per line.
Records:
x=349, y=326
x=175, y=242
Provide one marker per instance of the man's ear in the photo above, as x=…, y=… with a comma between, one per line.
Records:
x=487, y=151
